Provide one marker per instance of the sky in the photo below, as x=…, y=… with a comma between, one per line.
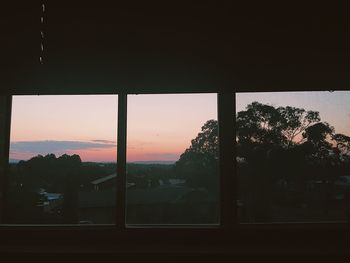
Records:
x=84, y=125
x=334, y=107
x=159, y=127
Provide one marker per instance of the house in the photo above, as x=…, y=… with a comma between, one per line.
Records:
x=104, y=182
x=49, y=201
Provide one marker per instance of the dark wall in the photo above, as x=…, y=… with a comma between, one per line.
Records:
x=170, y=47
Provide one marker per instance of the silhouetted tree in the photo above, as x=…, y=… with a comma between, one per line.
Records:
x=342, y=143
x=286, y=143
x=262, y=124
x=199, y=163
x=59, y=175
x=274, y=145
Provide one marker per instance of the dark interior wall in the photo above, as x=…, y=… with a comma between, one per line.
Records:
x=170, y=47
x=104, y=48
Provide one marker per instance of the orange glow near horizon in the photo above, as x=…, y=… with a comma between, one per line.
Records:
x=97, y=155
x=86, y=155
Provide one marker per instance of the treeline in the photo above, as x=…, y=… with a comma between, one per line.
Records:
x=53, y=173
x=275, y=142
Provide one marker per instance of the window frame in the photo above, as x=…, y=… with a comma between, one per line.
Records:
x=229, y=233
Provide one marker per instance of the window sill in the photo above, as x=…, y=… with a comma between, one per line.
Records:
x=252, y=238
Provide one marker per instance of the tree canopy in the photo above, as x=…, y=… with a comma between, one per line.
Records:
x=49, y=172
x=199, y=163
x=275, y=146
x=279, y=142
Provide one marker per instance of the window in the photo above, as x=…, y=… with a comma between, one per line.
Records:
x=62, y=160
x=293, y=161
x=153, y=161
x=63, y=170
x=172, y=159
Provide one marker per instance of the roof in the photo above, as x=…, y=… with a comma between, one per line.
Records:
x=104, y=179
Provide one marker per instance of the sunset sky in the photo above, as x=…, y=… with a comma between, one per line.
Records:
x=84, y=125
x=160, y=127
x=334, y=107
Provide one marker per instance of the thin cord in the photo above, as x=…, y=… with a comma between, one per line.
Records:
x=42, y=33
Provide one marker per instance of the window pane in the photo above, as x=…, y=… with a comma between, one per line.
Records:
x=293, y=156
x=172, y=159
x=62, y=160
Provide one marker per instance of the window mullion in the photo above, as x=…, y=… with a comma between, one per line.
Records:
x=5, y=128
x=121, y=162
x=228, y=185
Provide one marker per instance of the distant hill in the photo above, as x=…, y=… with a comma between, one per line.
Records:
x=14, y=161
x=154, y=162
x=110, y=163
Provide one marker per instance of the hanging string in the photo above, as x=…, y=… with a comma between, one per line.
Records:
x=42, y=33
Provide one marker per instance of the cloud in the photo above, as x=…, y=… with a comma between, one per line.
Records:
x=50, y=146
x=104, y=141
